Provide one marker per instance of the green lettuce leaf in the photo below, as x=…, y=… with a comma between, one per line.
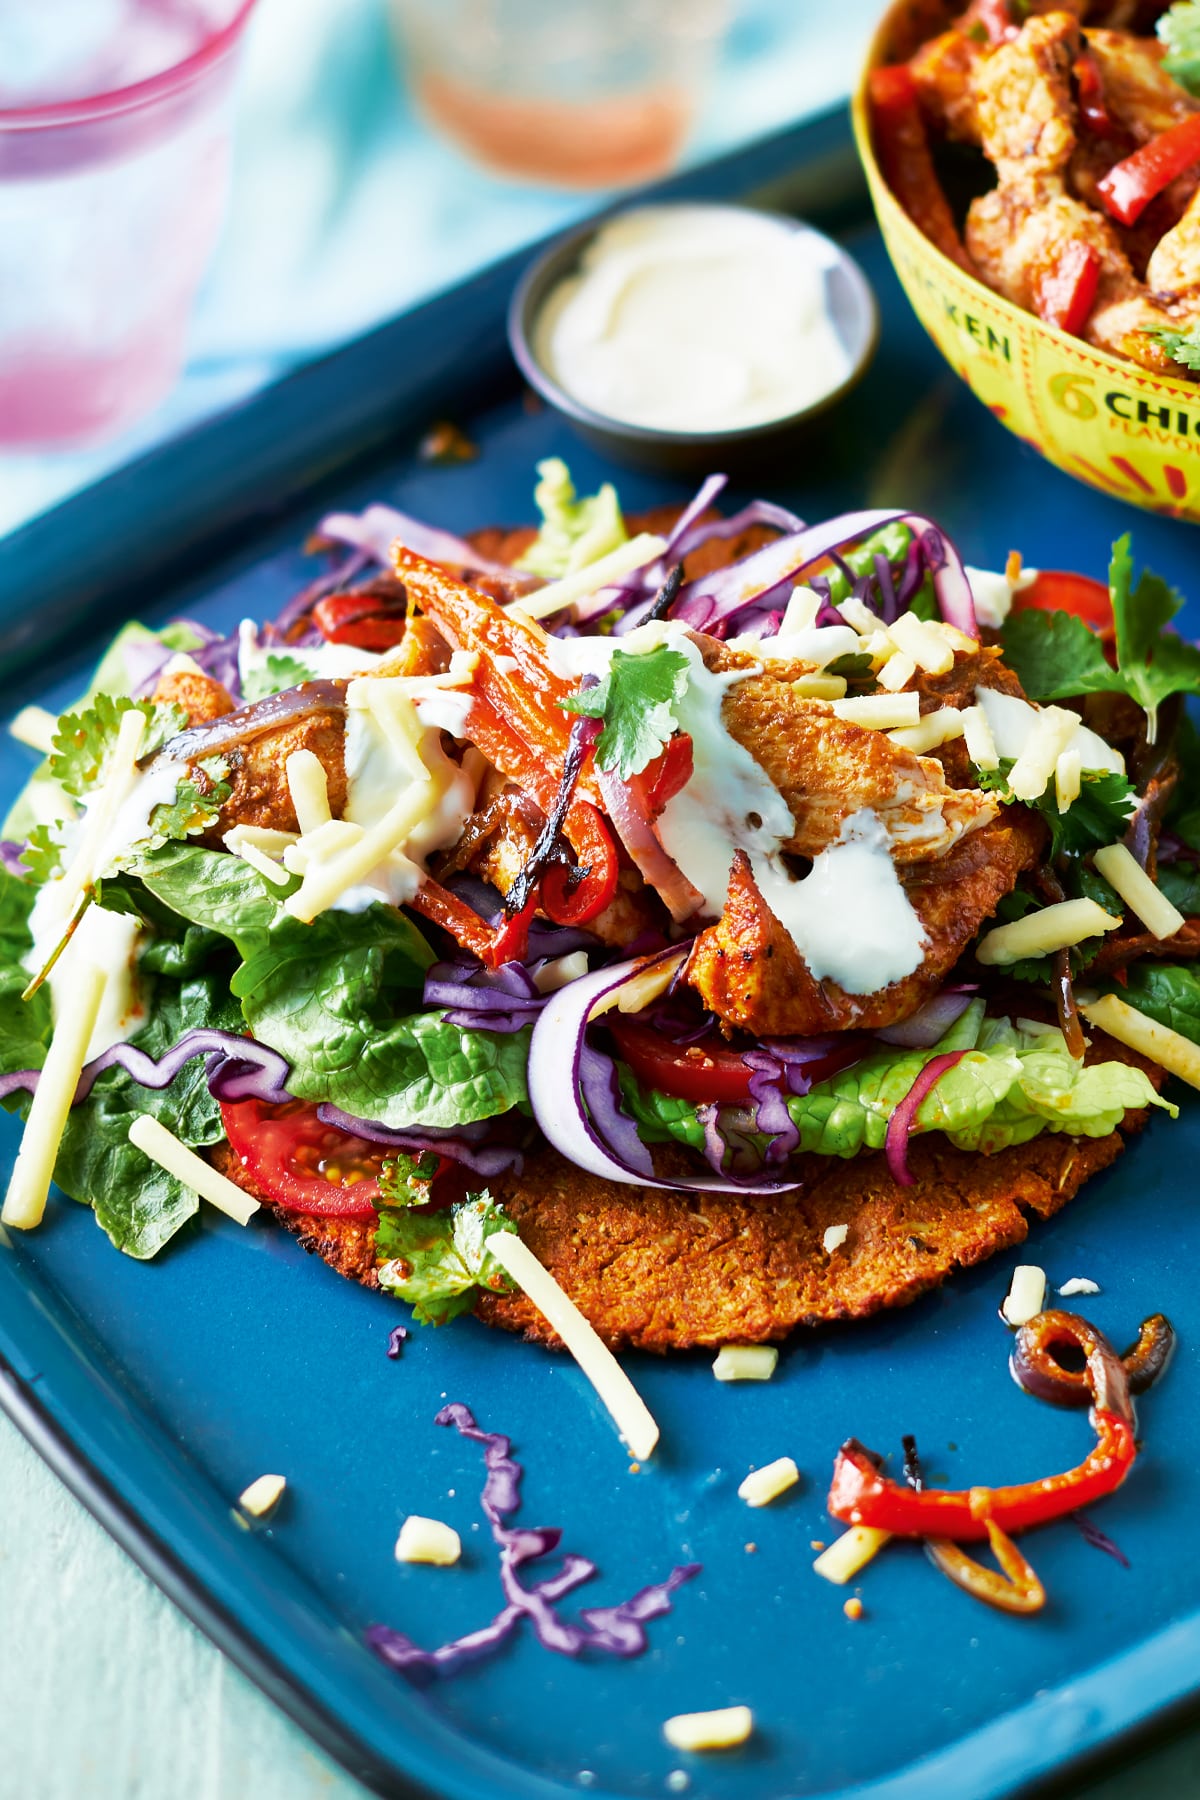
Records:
x=337, y=997
x=637, y=700
x=1168, y=992
x=24, y=1024
x=574, y=532
x=1012, y=1084
x=436, y=1260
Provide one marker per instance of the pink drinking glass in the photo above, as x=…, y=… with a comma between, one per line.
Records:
x=114, y=170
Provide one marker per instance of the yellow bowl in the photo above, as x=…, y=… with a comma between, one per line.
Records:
x=1103, y=420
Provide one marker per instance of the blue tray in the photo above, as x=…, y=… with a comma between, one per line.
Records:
x=157, y=1392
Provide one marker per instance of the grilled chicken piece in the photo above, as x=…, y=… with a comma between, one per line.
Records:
x=749, y=971
x=1017, y=232
x=826, y=768
x=259, y=793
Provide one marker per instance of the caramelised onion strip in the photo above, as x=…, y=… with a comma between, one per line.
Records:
x=1102, y=1382
x=1013, y=1588
x=249, y=722
x=1069, y=1022
x=1146, y=1358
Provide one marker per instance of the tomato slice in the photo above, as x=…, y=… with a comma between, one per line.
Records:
x=301, y=1164
x=1056, y=590
x=702, y=1072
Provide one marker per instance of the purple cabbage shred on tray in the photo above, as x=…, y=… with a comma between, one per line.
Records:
x=396, y=1337
x=610, y=1630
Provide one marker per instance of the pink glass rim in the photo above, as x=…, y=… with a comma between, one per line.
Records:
x=90, y=107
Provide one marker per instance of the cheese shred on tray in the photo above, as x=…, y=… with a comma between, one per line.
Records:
x=528, y=925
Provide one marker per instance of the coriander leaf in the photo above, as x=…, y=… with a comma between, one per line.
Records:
x=1055, y=656
x=83, y=740
x=277, y=672
x=1179, y=30
x=196, y=806
x=637, y=701
x=408, y=1180
x=43, y=854
x=850, y=667
x=1182, y=347
x=574, y=532
x=436, y=1259
x=1152, y=662
x=1098, y=815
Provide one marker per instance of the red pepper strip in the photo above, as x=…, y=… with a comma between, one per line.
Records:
x=528, y=697
x=861, y=1495
x=668, y=774
x=1130, y=186
x=359, y=619
x=1089, y=85
x=441, y=907
x=1014, y=1588
x=902, y=146
x=1066, y=293
x=512, y=938
x=575, y=905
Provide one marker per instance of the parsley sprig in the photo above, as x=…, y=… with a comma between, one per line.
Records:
x=638, y=701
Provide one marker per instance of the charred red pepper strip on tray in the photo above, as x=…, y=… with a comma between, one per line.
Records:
x=902, y=145
x=1130, y=186
x=1067, y=291
x=861, y=1494
x=491, y=946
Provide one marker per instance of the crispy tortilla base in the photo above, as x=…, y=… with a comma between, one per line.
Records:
x=661, y=1270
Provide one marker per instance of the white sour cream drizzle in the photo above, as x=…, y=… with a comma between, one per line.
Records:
x=850, y=917
x=106, y=939
x=323, y=662
x=694, y=318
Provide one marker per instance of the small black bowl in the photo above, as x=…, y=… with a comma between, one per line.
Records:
x=852, y=307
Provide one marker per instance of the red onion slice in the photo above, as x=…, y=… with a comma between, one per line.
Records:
x=903, y=1119
x=377, y=529
x=634, y=826
x=560, y=1061
x=929, y=1024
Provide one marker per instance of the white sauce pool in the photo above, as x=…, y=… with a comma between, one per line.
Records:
x=694, y=318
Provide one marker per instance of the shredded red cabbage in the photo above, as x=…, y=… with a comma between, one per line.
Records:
x=10, y=858
x=332, y=581
x=717, y=602
x=612, y=1630
x=463, y=1144
x=479, y=999
x=904, y=1117
x=215, y=655
x=396, y=1337
x=238, y=1068
x=1099, y=1540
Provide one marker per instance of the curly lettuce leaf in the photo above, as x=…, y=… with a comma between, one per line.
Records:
x=1012, y=1085
x=437, y=1260
x=574, y=532
x=24, y=1024
x=1179, y=30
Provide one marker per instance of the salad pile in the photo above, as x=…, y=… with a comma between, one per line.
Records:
x=693, y=858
